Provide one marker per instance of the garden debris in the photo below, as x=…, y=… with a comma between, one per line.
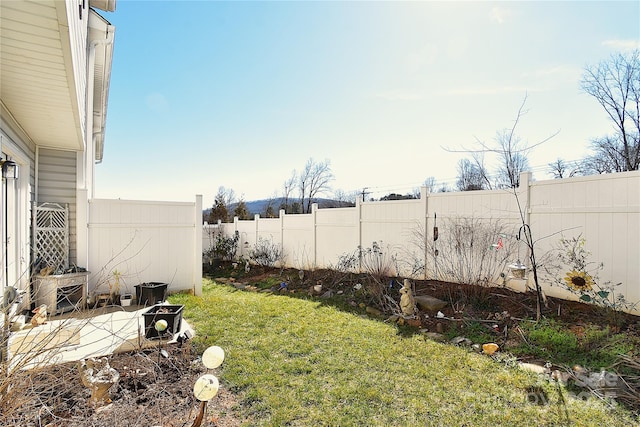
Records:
x=533, y=367
x=97, y=375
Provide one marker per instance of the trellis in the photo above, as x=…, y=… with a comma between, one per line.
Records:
x=51, y=235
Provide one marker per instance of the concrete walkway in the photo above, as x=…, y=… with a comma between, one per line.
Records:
x=80, y=335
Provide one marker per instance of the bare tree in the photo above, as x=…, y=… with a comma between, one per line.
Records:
x=431, y=183
x=287, y=188
x=513, y=158
x=312, y=181
x=469, y=176
x=481, y=170
x=608, y=156
x=511, y=152
x=342, y=199
x=562, y=169
x=615, y=84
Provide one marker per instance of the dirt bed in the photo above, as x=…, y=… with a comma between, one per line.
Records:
x=151, y=391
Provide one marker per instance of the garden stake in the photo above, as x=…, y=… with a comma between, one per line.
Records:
x=198, y=421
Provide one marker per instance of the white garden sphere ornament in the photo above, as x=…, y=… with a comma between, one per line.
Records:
x=161, y=325
x=206, y=387
x=213, y=357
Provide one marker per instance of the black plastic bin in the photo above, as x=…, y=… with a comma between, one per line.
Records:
x=171, y=313
x=151, y=293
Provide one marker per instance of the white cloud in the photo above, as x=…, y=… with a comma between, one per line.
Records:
x=628, y=44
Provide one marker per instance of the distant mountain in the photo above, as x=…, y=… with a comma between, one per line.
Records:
x=260, y=206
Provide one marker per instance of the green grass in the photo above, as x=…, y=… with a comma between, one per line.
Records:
x=297, y=362
x=595, y=347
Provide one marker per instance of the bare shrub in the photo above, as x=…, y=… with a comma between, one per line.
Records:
x=345, y=267
x=379, y=266
x=265, y=253
x=222, y=247
x=470, y=251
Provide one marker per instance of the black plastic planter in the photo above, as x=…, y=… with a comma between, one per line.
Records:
x=151, y=293
x=171, y=313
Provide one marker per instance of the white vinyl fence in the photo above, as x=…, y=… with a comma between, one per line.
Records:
x=603, y=209
x=145, y=242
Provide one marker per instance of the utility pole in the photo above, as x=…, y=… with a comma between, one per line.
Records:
x=365, y=192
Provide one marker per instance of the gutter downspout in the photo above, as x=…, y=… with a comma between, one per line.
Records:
x=82, y=185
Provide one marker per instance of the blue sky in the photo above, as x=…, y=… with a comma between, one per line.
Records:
x=238, y=94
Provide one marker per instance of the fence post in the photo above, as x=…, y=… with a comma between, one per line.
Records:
x=424, y=196
x=523, y=199
x=256, y=219
x=281, y=217
x=314, y=216
x=359, y=202
x=197, y=260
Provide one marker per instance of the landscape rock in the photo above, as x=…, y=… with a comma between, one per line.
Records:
x=429, y=303
x=415, y=322
x=490, y=348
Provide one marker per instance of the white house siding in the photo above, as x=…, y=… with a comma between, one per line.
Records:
x=146, y=242
x=603, y=209
x=57, y=184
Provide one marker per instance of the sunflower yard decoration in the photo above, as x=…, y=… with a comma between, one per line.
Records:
x=579, y=280
x=581, y=277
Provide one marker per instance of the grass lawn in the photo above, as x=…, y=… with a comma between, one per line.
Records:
x=300, y=362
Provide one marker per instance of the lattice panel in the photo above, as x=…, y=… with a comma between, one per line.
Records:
x=51, y=235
